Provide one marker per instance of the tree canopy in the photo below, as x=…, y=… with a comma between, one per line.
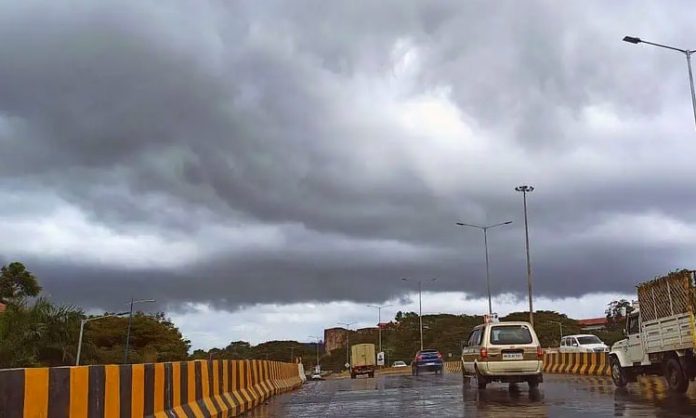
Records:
x=16, y=282
x=41, y=333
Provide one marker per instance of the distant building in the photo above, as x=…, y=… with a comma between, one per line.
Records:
x=366, y=330
x=592, y=324
x=334, y=338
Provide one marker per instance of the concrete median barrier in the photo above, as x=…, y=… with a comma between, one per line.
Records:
x=179, y=389
x=453, y=366
x=592, y=364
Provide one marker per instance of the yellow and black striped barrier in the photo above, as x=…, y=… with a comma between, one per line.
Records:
x=453, y=366
x=592, y=364
x=179, y=389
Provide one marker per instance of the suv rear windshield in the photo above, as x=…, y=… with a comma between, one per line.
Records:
x=510, y=334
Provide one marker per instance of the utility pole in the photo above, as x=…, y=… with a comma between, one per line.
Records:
x=130, y=321
x=347, y=325
x=82, y=330
x=525, y=190
x=485, y=245
x=317, y=346
x=686, y=52
x=420, y=308
x=379, y=322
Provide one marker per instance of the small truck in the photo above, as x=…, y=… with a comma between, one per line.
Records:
x=660, y=333
x=362, y=360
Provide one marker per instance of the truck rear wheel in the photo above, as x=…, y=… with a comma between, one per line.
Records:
x=618, y=375
x=676, y=378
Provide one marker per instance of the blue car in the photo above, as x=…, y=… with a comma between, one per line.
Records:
x=428, y=360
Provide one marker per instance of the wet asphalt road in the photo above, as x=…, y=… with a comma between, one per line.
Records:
x=444, y=396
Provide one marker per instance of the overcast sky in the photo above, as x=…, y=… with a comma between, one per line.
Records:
x=245, y=163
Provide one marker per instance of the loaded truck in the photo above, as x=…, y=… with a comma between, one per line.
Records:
x=362, y=360
x=660, y=333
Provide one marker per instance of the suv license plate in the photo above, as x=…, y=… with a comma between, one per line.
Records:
x=512, y=356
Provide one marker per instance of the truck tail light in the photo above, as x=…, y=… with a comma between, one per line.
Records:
x=483, y=353
x=540, y=352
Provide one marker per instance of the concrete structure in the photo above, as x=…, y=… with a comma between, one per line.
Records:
x=592, y=324
x=334, y=338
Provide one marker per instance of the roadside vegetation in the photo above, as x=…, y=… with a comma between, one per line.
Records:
x=36, y=332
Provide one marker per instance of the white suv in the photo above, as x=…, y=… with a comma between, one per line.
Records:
x=584, y=343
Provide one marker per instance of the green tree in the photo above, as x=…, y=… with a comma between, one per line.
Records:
x=42, y=334
x=153, y=338
x=617, y=310
x=16, y=282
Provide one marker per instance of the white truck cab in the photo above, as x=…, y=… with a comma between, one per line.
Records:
x=660, y=334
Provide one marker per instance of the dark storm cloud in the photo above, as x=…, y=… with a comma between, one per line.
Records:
x=176, y=119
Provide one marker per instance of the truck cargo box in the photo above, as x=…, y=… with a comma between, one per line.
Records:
x=667, y=296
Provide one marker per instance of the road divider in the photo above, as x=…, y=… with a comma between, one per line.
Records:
x=593, y=364
x=178, y=389
x=453, y=366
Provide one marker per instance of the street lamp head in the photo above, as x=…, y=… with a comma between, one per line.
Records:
x=631, y=40
x=525, y=189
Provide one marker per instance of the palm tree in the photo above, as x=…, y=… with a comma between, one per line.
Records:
x=40, y=334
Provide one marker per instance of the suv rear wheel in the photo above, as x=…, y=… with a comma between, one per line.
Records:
x=482, y=382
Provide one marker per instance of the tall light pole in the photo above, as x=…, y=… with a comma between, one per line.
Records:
x=347, y=325
x=379, y=321
x=130, y=321
x=420, y=307
x=485, y=244
x=82, y=330
x=560, y=327
x=525, y=190
x=317, y=338
x=686, y=52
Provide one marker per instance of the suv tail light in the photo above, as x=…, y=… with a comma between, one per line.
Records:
x=419, y=357
x=439, y=356
x=540, y=352
x=483, y=353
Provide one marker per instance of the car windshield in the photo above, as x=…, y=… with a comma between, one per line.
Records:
x=589, y=339
x=510, y=334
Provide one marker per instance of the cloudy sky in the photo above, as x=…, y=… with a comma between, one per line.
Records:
x=266, y=169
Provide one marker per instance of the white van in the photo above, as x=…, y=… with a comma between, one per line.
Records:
x=582, y=343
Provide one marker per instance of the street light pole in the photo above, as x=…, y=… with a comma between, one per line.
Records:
x=560, y=328
x=525, y=190
x=379, y=322
x=485, y=244
x=686, y=52
x=317, y=343
x=420, y=308
x=130, y=321
x=82, y=330
x=347, y=325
